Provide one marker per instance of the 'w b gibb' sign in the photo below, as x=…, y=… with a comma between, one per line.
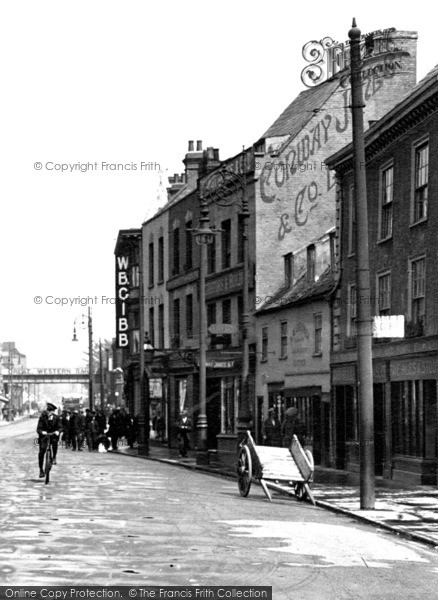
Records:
x=122, y=294
x=328, y=58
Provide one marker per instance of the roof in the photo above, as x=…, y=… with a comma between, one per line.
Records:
x=301, y=110
x=389, y=120
x=302, y=291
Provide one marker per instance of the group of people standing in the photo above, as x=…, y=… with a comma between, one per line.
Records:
x=277, y=433
x=92, y=427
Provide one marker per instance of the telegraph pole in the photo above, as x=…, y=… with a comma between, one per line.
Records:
x=363, y=292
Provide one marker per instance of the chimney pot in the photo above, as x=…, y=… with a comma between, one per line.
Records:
x=199, y=146
x=191, y=145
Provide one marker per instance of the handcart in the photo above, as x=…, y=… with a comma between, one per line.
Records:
x=276, y=468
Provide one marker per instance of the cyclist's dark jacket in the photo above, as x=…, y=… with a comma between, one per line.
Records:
x=44, y=424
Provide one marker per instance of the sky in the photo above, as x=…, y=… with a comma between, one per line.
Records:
x=106, y=82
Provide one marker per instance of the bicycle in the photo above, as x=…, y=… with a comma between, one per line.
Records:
x=48, y=457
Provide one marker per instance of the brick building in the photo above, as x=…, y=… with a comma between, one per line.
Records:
x=401, y=149
x=296, y=200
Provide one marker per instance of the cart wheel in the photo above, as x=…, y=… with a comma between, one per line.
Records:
x=244, y=471
x=300, y=491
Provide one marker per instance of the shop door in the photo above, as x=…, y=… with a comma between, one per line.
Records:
x=340, y=429
x=213, y=412
x=379, y=427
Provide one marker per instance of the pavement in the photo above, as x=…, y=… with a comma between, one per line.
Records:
x=407, y=511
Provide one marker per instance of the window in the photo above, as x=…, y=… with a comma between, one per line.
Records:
x=264, y=344
x=240, y=309
x=226, y=244
x=352, y=229
x=387, y=190
x=418, y=287
x=161, y=325
x=421, y=177
x=160, y=259
x=176, y=251
x=151, y=264
x=151, y=325
x=176, y=322
x=211, y=256
x=211, y=313
x=384, y=294
x=226, y=311
x=135, y=276
x=283, y=339
x=351, y=311
x=317, y=320
x=288, y=262
x=189, y=246
x=240, y=239
x=189, y=316
x=311, y=263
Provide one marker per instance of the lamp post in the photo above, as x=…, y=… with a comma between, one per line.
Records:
x=226, y=188
x=147, y=357
x=363, y=293
x=90, y=352
x=203, y=236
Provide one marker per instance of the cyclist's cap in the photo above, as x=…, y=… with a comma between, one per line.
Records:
x=50, y=406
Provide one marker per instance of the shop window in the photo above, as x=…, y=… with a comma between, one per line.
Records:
x=407, y=412
x=230, y=396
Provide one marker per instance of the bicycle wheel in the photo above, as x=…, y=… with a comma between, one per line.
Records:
x=48, y=462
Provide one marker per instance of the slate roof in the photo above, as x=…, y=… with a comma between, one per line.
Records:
x=302, y=291
x=301, y=110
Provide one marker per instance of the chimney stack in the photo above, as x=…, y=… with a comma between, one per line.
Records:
x=191, y=146
x=199, y=146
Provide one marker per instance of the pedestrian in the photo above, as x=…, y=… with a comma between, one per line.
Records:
x=115, y=428
x=65, y=423
x=272, y=429
x=292, y=425
x=184, y=426
x=92, y=432
x=130, y=430
x=161, y=427
x=48, y=422
x=101, y=420
x=76, y=430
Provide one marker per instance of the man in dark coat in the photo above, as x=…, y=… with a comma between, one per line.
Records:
x=272, y=429
x=49, y=422
x=292, y=425
x=76, y=430
x=92, y=431
x=115, y=428
x=184, y=426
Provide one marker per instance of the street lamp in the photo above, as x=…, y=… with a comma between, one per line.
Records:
x=90, y=352
x=226, y=188
x=147, y=354
x=204, y=236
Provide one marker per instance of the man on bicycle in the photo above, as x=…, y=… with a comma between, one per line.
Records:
x=48, y=422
